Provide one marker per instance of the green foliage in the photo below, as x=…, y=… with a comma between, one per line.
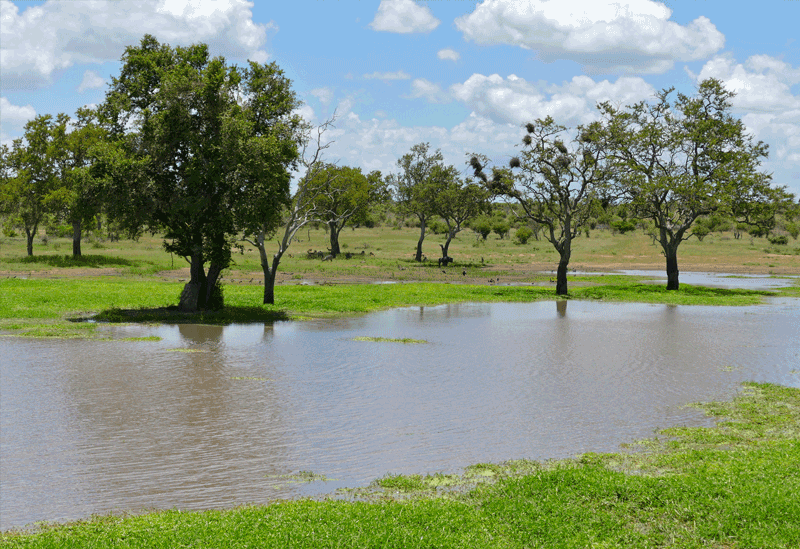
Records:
x=677, y=161
x=483, y=226
x=522, y=235
x=778, y=240
x=623, y=226
x=215, y=142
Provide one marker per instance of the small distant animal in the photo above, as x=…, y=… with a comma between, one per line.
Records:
x=328, y=257
x=464, y=272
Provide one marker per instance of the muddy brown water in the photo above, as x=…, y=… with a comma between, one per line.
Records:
x=98, y=426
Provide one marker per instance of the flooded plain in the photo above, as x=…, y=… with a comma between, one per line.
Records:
x=217, y=416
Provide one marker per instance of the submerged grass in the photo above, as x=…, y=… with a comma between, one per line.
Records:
x=732, y=485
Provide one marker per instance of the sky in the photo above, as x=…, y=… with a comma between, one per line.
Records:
x=463, y=76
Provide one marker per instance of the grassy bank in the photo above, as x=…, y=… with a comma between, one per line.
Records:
x=733, y=485
x=46, y=307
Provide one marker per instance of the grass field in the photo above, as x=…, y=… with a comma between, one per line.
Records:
x=730, y=486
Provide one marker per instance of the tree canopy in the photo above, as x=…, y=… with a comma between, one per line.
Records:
x=218, y=141
x=676, y=160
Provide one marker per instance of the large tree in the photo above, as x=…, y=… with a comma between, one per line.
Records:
x=215, y=137
x=30, y=188
x=415, y=188
x=676, y=160
x=456, y=202
x=343, y=193
x=555, y=185
x=80, y=192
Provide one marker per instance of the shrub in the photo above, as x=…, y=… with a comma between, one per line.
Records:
x=522, y=235
x=778, y=240
x=623, y=225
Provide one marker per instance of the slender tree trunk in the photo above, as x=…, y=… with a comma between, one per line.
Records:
x=31, y=234
x=269, y=285
x=334, y=239
x=446, y=247
x=565, y=251
x=418, y=257
x=76, y=239
x=270, y=274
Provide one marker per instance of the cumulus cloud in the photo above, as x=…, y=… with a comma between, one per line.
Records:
x=325, y=95
x=403, y=16
x=769, y=108
x=15, y=114
x=762, y=83
x=397, y=75
x=633, y=36
x=514, y=100
x=91, y=80
x=421, y=87
x=448, y=54
x=45, y=38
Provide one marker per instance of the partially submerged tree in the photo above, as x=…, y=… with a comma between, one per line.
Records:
x=556, y=186
x=414, y=189
x=30, y=184
x=215, y=136
x=678, y=160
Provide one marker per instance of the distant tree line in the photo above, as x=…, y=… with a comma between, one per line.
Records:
x=204, y=152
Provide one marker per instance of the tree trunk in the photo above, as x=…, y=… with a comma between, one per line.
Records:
x=211, y=301
x=334, y=239
x=269, y=286
x=31, y=234
x=418, y=257
x=190, y=300
x=76, y=239
x=561, y=276
x=446, y=246
x=672, y=267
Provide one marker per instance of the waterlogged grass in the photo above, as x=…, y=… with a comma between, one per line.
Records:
x=406, y=340
x=732, y=485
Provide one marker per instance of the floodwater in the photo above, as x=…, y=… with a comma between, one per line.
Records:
x=99, y=426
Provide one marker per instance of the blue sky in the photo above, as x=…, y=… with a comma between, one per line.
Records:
x=463, y=76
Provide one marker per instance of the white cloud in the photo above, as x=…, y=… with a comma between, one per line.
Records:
x=14, y=114
x=769, y=108
x=325, y=95
x=12, y=120
x=306, y=112
x=514, y=100
x=397, y=75
x=55, y=35
x=606, y=35
x=762, y=83
x=448, y=54
x=91, y=80
x=421, y=87
x=403, y=16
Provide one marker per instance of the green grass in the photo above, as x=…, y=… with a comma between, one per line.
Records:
x=42, y=307
x=732, y=485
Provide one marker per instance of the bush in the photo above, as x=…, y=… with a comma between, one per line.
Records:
x=482, y=226
x=623, y=225
x=501, y=228
x=778, y=240
x=522, y=235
